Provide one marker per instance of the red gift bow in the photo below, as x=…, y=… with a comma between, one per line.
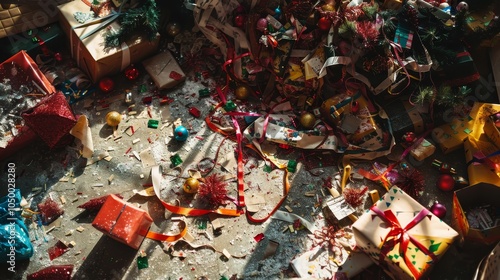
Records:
x=399, y=235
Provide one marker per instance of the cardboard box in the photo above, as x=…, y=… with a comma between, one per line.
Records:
x=90, y=54
x=379, y=234
x=123, y=221
x=19, y=138
x=472, y=197
x=481, y=172
x=164, y=70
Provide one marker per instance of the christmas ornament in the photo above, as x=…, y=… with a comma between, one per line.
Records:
x=239, y=21
x=410, y=180
x=106, y=85
x=113, y=118
x=409, y=137
x=354, y=107
x=53, y=272
x=173, y=29
x=328, y=8
x=95, y=204
x=213, y=190
x=324, y=23
x=277, y=12
x=462, y=6
x=242, y=92
x=50, y=210
x=307, y=120
x=438, y=209
x=446, y=182
x=131, y=72
x=181, y=133
x=191, y=185
x=355, y=196
x=262, y=25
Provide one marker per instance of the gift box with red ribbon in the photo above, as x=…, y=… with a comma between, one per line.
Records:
x=123, y=221
x=402, y=236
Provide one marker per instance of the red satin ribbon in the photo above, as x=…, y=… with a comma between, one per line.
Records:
x=400, y=235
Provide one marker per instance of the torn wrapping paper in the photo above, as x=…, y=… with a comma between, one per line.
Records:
x=82, y=131
x=402, y=236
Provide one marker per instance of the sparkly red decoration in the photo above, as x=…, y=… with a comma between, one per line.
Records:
x=131, y=72
x=106, y=85
x=324, y=23
x=57, y=250
x=411, y=181
x=53, y=272
x=213, y=190
x=51, y=119
x=50, y=210
x=327, y=236
x=355, y=196
x=95, y=204
x=446, y=182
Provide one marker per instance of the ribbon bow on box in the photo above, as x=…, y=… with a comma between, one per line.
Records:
x=399, y=235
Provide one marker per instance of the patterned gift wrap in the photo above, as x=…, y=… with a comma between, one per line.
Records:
x=402, y=236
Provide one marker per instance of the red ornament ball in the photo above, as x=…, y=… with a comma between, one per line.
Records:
x=106, y=85
x=439, y=210
x=446, y=182
x=239, y=21
x=131, y=72
x=324, y=23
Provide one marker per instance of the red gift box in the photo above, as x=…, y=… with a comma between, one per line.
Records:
x=123, y=221
x=21, y=71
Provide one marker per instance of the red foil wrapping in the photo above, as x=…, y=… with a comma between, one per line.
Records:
x=26, y=63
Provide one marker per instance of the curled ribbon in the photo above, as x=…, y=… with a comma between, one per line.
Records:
x=400, y=235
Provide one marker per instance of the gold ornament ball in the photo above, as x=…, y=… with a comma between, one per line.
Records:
x=242, y=92
x=191, y=185
x=328, y=8
x=113, y=118
x=173, y=29
x=307, y=120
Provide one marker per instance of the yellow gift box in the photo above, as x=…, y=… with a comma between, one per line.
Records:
x=90, y=53
x=402, y=236
x=451, y=136
x=478, y=171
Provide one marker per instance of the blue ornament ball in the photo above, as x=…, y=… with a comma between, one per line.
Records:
x=181, y=133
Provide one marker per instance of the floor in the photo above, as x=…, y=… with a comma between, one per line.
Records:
x=43, y=173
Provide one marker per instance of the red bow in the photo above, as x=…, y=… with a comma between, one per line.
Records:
x=400, y=235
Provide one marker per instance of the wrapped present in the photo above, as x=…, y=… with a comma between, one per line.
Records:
x=405, y=117
x=451, y=136
x=461, y=72
x=488, y=267
x=491, y=128
x=50, y=36
x=87, y=44
x=25, y=87
x=402, y=236
x=164, y=70
x=475, y=213
x=481, y=165
x=21, y=16
x=423, y=150
x=123, y=221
